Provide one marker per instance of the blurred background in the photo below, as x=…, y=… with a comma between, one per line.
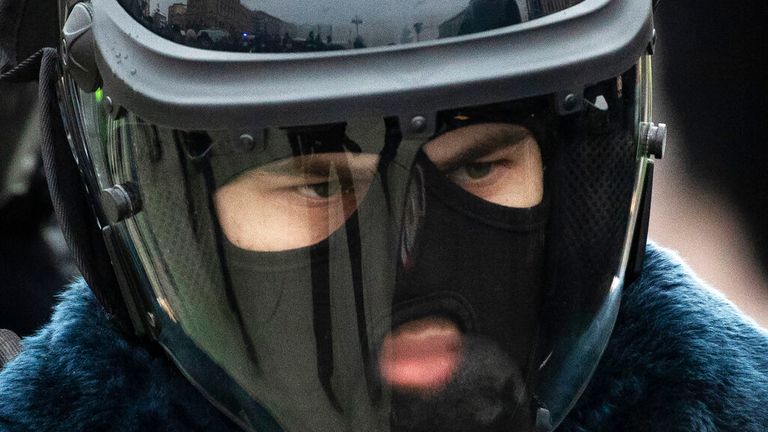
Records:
x=710, y=199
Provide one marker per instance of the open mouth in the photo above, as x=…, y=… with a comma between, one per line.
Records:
x=420, y=356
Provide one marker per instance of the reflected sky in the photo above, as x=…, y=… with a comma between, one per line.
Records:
x=322, y=25
x=337, y=12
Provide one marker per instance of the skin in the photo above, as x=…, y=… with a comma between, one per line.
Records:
x=497, y=162
x=298, y=202
x=295, y=202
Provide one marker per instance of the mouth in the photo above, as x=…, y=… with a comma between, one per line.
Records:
x=421, y=356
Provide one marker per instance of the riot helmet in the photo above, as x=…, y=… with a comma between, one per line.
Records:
x=407, y=216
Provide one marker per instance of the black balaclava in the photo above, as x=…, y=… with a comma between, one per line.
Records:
x=461, y=257
x=481, y=265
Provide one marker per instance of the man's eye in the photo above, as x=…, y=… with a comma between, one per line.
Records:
x=320, y=190
x=478, y=170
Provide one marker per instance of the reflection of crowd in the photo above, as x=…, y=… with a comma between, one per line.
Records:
x=217, y=39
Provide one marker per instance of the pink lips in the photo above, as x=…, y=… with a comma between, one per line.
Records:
x=421, y=355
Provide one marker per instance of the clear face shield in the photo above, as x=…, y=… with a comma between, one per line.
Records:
x=314, y=255
x=350, y=276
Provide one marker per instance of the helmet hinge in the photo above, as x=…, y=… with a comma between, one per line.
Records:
x=78, y=47
x=653, y=138
x=121, y=202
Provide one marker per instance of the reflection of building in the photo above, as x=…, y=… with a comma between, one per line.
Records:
x=227, y=15
x=159, y=18
x=137, y=8
x=529, y=9
x=176, y=14
x=451, y=26
x=264, y=23
x=539, y=8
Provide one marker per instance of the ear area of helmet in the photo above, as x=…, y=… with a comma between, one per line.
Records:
x=78, y=47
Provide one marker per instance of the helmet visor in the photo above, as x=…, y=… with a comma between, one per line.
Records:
x=357, y=276
x=327, y=25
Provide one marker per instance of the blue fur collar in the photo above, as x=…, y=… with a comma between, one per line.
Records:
x=681, y=359
x=78, y=374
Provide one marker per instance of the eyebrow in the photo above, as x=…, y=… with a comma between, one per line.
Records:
x=484, y=145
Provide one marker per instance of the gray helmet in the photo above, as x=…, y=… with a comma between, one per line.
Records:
x=403, y=216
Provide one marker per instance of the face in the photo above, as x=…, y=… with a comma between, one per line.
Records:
x=300, y=201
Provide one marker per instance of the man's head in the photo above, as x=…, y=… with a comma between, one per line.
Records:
x=428, y=231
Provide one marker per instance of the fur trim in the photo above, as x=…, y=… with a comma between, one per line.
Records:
x=681, y=358
x=78, y=374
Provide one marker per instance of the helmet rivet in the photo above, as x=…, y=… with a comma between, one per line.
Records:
x=108, y=105
x=120, y=202
x=245, y=144
x=569, y=102
x=418, y=124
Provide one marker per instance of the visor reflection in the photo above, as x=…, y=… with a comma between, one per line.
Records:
x=328, y=25
x=299, y=201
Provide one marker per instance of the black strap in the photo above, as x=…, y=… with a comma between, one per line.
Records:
x=69, y=197
x=67, y=191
